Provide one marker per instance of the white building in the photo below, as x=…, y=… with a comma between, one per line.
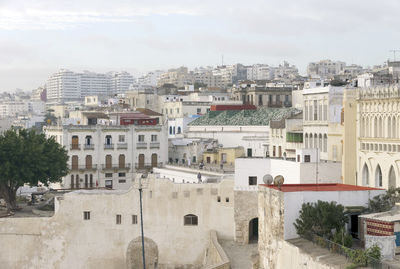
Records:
x=63, y=86
x=325, y=68
x=378, y=136
x=322, y=121
x=120, y=82
x=109, y=156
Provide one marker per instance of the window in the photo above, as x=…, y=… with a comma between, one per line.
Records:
x=252, y=181
x=134, y=219
x=86, y=215
x=121, y=138
x=109, y=175
x=141, y=138
x=118, y=219
x=315, y=110
x=122, y=174
x=219, y=199
x=88, y=140
x=122, y=181
x=307, y=158
x=190, y=220
x=227, y=199
x=108, y=140
x=154, y=137
x=198, y=110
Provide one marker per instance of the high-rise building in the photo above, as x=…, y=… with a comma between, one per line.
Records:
x=120, y=82
x=63, y=86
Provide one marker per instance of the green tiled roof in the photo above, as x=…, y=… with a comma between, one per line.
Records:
x=261, y=116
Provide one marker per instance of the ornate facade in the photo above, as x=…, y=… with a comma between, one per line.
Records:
x=378, y=136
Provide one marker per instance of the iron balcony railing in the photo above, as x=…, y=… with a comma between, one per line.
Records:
x=126, y=166
x=146, y=166
x=88, y=146
x=108, y=146
x=154, y=145
x=83, y=167
x=75, y=147
x=141, y=145
x=122, y=145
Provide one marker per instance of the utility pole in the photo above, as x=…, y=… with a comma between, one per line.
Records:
x=140, y=188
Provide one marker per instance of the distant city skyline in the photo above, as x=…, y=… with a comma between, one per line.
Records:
x=39, y=38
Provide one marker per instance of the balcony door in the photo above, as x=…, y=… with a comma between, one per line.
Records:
x=108, y=161
x=141, y=161
x=88, y=161
x=154, y=160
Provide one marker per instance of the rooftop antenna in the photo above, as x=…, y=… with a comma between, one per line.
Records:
x=394, y=54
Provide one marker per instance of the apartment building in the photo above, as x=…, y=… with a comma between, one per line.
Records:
x=325, y=68
x=109, y=156
x=378, y=136
x=322, y=121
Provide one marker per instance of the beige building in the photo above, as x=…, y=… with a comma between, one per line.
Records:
x=378, y=136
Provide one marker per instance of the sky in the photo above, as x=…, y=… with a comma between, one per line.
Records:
x=39, y=37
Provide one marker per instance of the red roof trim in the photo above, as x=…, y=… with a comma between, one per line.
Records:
x=319, y=187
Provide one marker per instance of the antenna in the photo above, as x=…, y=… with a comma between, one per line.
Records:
x=394, y=54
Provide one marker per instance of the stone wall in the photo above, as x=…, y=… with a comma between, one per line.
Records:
x=216, y=257
x=270, y=227
x=246, y=209
x=66, y=240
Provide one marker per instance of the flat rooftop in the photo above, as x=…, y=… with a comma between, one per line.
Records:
x=319, y=187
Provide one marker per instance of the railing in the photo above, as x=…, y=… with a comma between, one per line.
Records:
x=89, y=146
x=275, y=104
x=154, y=145
x=83, y=167
x=146, y=166
x=75, y=147
x=127, y=166
x=141, y=145
x=333, y=247
x=122, y=145
x=108, y=146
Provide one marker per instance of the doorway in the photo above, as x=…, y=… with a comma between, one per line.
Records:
x=154, y=160
x=141, y=161
x=253, y=231
x=354, y=226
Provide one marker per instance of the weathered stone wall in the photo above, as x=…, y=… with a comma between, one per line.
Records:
x=271, y=226
x=67, y=241
x=216, y=257
x=246, y=209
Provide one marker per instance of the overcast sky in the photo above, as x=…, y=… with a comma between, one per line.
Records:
x=39, y=37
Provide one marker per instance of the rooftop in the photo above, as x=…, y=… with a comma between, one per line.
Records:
x=261, y=116
x=318, y=187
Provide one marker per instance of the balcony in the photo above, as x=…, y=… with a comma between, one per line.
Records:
x=116, y=167
x=108, y=146
x=275, y=104
x=154, y=145
x=92, y=167
x=141, y=145
x=147, y=166
x=75, y=147
x=122, y=145
x=89, y=146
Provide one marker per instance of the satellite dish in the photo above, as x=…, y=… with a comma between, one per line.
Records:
x=278, y=181
x=268, y=179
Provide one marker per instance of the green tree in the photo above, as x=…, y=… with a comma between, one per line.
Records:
x=28, y=157
x=49, y=118
x=320, y=218
x=384, y=202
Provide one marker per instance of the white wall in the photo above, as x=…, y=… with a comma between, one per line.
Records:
x=293, y=202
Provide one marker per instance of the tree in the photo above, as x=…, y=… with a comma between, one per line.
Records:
x=49, y=118
x=320, y=218
x=28, y=157
x=384, y=202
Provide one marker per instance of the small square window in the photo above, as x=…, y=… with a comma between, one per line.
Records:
x=118, y=219
x=141, y=138
x=121, y=138
x=134, y=219
x=108, y=174
x=153, y=138
x=86, y=215
x=252, y=181
x=122, y=174
x=122, y=181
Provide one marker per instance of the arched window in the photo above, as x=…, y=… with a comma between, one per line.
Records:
x=378, y=177
x=108, y=161
x=375, y=127
x=108, y=140
x=394, y=128
x=315, y=141
x=190, y=220
x=72, y=181
x=174, y=130
x=320, y=142
x=325, y=148
x=306, y=141
x=88, y=140
x=311, y=141
x=392, y=178
x=74, y=162
x=88, y=162
x=170, y=130
x=75, y=142
x=179, y=130
x=91, y=181
x=365, y=175
x=389, y=127
x=121, y=161
x=362, y=128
